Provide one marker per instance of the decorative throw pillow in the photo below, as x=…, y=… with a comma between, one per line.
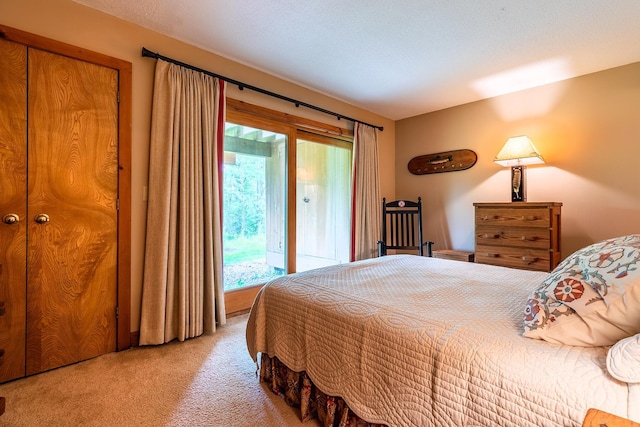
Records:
x=592, y=298
x=623, y=360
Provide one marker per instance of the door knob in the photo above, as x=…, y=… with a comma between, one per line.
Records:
x=41, y=218
x=10, y=219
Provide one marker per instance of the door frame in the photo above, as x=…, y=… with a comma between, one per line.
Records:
x=123, y=307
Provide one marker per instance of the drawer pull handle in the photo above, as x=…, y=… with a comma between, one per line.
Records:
x=490, y=236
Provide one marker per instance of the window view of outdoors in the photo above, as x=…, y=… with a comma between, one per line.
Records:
x=255, y=201
x=254, y=208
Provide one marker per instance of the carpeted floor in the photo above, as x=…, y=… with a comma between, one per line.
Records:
x=207, y=381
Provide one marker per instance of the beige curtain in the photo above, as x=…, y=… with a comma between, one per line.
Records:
x=183, y=290
x=366, y=203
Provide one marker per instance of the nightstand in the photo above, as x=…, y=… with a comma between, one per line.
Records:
x=523, y=235
x=453, y=254
x=597, y=418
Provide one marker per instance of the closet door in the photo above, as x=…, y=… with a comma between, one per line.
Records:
x=72, y=216
x=13, y=207
x=59, y=186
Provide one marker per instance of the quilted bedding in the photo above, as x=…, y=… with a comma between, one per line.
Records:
x=416, y=341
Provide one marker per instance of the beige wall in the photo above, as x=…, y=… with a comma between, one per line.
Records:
x=586, y=128
x=69, y=22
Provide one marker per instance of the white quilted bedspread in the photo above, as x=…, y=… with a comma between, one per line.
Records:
x=416, y=341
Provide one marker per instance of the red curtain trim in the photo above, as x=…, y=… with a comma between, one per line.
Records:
x=353, y=197
x=222, y=113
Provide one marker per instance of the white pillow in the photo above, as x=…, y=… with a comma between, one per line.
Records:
x=623, y=360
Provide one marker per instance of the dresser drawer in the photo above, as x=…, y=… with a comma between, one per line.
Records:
x=501, y=217
x=523, y=258
x=534, y=237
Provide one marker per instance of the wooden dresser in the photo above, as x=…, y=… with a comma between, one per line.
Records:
x=519, y=234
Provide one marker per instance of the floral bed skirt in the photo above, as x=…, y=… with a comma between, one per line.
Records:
x=298, y=391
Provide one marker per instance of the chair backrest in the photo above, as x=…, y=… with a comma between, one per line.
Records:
x=402, y=226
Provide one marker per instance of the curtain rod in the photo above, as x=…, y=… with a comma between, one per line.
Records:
x=149, y=54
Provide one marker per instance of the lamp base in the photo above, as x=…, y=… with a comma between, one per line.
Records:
x=518, y=188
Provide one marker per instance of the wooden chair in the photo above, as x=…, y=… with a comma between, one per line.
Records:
x=402, y=227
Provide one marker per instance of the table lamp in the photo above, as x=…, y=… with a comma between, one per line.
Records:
x=518, y=152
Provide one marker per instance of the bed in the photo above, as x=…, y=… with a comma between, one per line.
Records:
x=405, y=340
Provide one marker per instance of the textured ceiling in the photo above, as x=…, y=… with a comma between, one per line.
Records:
x=401, y=58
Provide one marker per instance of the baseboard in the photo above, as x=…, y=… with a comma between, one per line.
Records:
x=135, y=339
x=238, y=313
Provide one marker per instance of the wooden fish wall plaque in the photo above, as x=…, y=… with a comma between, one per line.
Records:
x=447, y=161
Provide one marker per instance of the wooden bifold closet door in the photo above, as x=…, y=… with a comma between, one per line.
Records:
x=59, y=192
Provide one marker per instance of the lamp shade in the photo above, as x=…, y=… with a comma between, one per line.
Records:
x=518, y=150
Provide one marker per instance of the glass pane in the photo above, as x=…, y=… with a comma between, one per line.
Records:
x=322, y=205
x=254, y=206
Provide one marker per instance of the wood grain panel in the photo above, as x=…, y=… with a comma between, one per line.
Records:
x=522, y=258
x=453, y=254
x=239, y=301
x=520, y=235
x=13, y=199
x=597, y=418
x=534, y=237
x=124, y=71
x=73, y=178
x=266, y=117
x=446, y=161
x=531, y=217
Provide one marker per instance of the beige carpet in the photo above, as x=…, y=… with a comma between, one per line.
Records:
x=207, y=381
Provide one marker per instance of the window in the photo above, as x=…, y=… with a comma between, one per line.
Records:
x=286, y=205
x=254, y=205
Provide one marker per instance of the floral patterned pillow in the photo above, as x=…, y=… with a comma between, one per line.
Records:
x=592, y=298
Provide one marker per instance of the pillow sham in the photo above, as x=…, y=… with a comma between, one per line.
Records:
x=592, y=298
x=623, y=360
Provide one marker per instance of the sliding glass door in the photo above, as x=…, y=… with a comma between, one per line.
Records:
x=286, y=205
x=322, y=202
x=254, y=212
